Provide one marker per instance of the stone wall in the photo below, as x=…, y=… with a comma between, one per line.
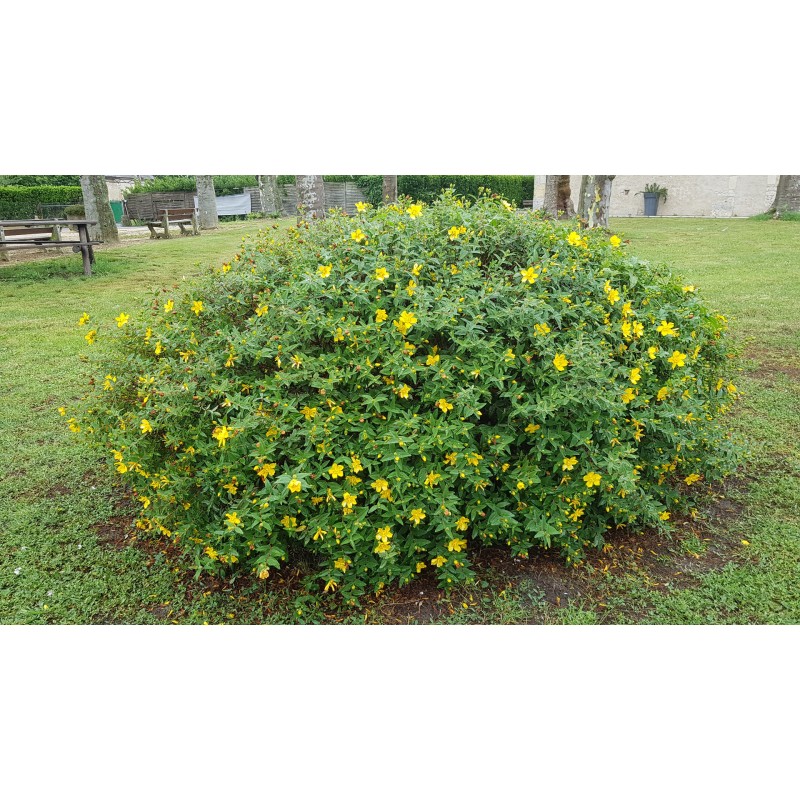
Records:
x=687, y=195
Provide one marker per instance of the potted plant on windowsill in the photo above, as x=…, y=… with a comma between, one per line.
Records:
x=652, y=194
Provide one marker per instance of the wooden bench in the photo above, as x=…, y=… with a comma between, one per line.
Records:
x=527, y=203
x=182, y=217
x=46, y=233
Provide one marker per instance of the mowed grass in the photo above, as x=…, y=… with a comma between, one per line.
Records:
x=59, y=507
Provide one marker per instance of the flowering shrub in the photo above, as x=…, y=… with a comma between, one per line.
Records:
x=386, y=392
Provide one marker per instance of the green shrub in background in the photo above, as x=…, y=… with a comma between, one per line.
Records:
x=40, y=180
x=22, y=202
x=383, y=394
x=223, y=184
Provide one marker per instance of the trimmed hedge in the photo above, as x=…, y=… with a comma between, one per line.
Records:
x=223, y=184
x=22, y=202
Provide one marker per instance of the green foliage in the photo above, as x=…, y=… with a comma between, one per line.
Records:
x=77, y=210
x=223, y=184
x=22, y=202
x=379, y=395
x=654, y=188
x=40, y=180
x=515, y=188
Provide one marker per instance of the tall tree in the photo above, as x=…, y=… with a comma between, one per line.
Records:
x=558, y=196
x=97, y=207
x=269, y=191
x=595, y=200
x=206, y=202
x=310, y=196
x=787, y=196
x=389, y=194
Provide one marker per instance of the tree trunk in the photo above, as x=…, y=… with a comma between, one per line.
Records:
x=787, y=196
x=97, y=207
x=269, y=191
x=206, y=202
x=389, y=189
x=551, y=195
x=595, y=200
x=558, y=196
x=310, y=196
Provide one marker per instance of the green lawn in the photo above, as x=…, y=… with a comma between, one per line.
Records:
x=63, y=528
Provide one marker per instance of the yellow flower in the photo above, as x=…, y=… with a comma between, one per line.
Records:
x=263, y=573
x=382, y=547
x=462, y=523
x=531, y=428
x=693, y=478
x=108, y=383
x=662, y=393
x=689, y=288
x=456, y=545
x=381, y=274
x=432, y=360
x=628, y=395
x=613, y=296
x=615, y=241
x=339, y=335
x=197, y=307
x=443, y=405
x=432, y=479
x=541, y=329
x=349, y=500
x=416, y=269
x=568, y=464
x=453, y=233
x=221, y=433
x=169, y=305
x=62, y=410
x=439, y=561
x=520, y=485
x=145, y=426
x=121, y=320
x=421, y=565
x=355, y=464
x=560, y=362
x=341, y=564
x=90, y=337
x=384, y=534
x=591, y=479
x=309, y=413
x=380, y=315
x=450, y=459
x=336, y=471
x=73, y=425
x=636, y=375
x=158, y=348
x=652, y=351
x=405, y=322
x=84, y=319
x=417, y=515
x=379, y=485
x=626, y=328
x=294, y=485
x=745, y=543
x=261, y=310
x=358, y=235
x=574, y=238
x=233, y=519
x=664, y=515
x=319, y=534
x=361, y=207
x=330, y=585
x=404, y=391
x=677, y=359
x=529, y=275
x=638, y=329
x=211, y=553
x=414, y=210
x=265, y=471
x=667, y=328
x=509, y=355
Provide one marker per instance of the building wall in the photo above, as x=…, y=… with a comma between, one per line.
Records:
x=687, y=195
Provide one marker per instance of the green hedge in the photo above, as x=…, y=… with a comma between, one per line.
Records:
x=22, y=202
x=223, y=184
x=40, y=180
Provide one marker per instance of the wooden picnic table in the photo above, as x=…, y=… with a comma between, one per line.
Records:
x=34, y=233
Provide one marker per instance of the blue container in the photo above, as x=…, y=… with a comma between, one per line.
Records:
x=650, y=204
